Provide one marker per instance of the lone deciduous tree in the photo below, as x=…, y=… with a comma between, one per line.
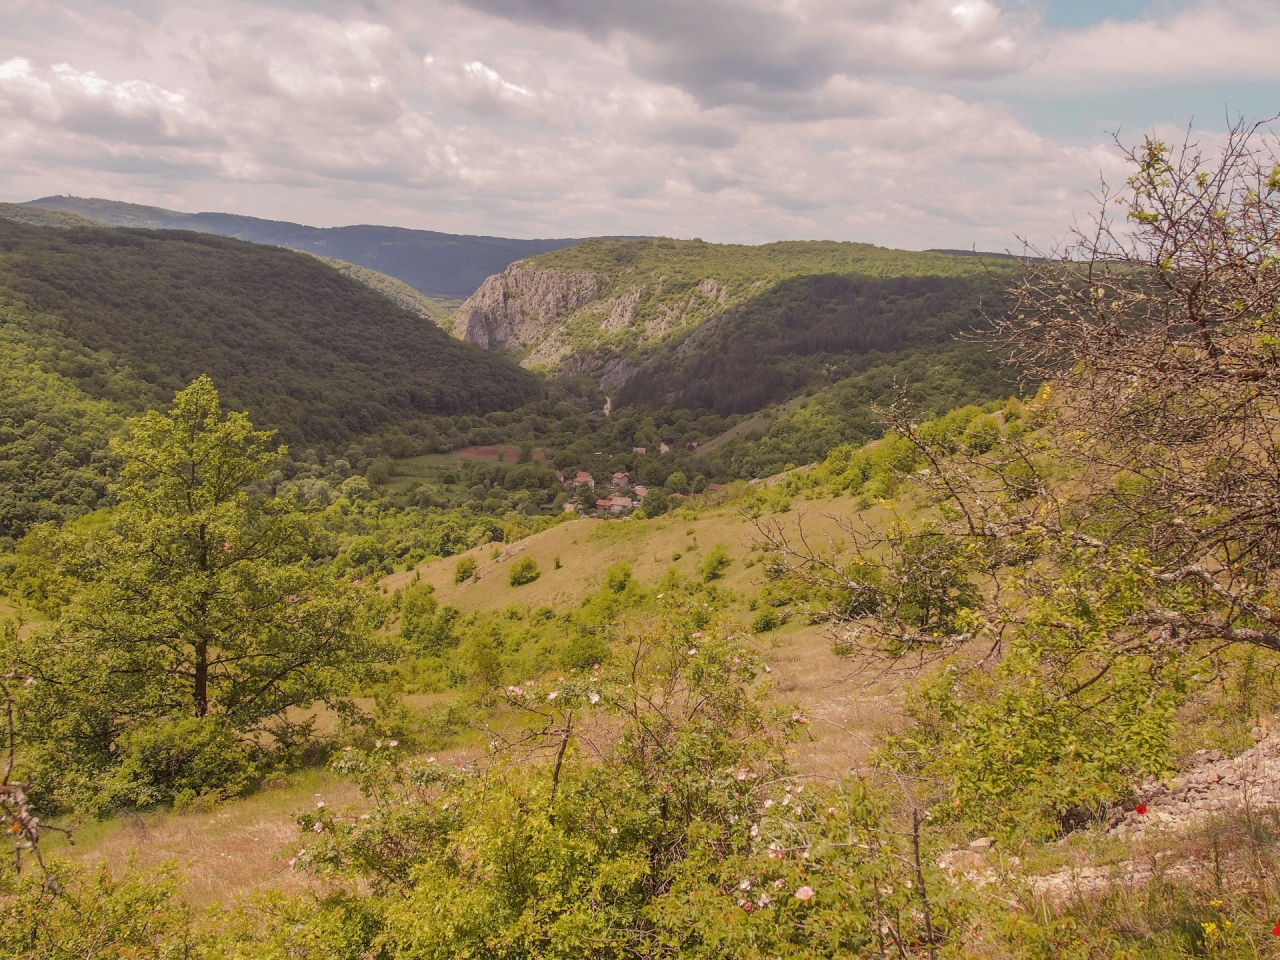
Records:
x=194, y=598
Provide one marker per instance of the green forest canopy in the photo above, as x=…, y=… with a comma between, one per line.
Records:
x=287, y=338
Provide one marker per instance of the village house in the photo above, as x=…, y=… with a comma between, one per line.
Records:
x=621, y=480
x=639, y=449
x=665, y=448
x=618, y=503
x=642, y=491
x=584, y=479
x=712, y=487
x=571, y=506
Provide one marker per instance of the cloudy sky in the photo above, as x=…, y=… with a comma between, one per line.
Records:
x=911, y=123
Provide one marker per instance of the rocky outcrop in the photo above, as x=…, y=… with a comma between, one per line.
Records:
x=622, y=310
x=1213, y=784
x=523, y=305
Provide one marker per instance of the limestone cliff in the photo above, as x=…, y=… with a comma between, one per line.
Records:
x=522, y=306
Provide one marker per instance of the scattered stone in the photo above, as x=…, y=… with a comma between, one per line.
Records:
x=981, y=844
x=1213, y=784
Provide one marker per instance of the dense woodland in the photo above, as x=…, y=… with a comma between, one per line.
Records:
x=810, y=332
x=320, y=357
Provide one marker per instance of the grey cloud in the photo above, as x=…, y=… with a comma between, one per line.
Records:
x=711, y=135
x=739, y=52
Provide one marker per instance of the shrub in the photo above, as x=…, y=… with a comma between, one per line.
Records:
x=716, y=564
x=525, y=570
x=617, y=577
x=464, y=569
x=583, y=651
x=193, y=756
x=765, y=621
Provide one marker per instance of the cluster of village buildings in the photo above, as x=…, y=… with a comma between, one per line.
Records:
x=624, y=495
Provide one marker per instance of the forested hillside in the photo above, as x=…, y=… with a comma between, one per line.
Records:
x=96, y=324
x=806, y=332
x=318, y=356
x=724, y=328
x=438, y=264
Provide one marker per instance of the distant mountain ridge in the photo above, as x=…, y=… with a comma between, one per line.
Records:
x=437, y=264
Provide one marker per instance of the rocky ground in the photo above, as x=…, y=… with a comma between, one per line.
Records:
x=1213, y=785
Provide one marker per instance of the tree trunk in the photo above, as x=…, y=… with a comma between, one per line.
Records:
x=202, y=679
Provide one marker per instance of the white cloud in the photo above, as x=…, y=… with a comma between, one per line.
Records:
x=728, y=119
x=1231, y=41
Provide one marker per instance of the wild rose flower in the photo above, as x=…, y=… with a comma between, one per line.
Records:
x=799, y=718
x=1141, y=809
x=745, y=884
x=764, y=900
x=779, y=883
x=593, y=697
x=319, y=804
x=755, y=830
x=745, y=905
x=318, y=828
x=804, y=894
x=393, y=743
x=553, y=694
x=693, y=651
x=742, y=773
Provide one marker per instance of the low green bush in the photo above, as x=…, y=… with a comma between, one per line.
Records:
x=525, y=570
x=464, y=569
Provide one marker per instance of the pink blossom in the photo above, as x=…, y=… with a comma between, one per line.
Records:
x=804, y=894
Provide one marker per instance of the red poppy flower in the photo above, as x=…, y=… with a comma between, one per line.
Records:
x=1141, y=809
x=1276, y=931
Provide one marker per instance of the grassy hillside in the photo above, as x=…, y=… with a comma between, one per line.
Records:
x=438, y=264
x=306, y=350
